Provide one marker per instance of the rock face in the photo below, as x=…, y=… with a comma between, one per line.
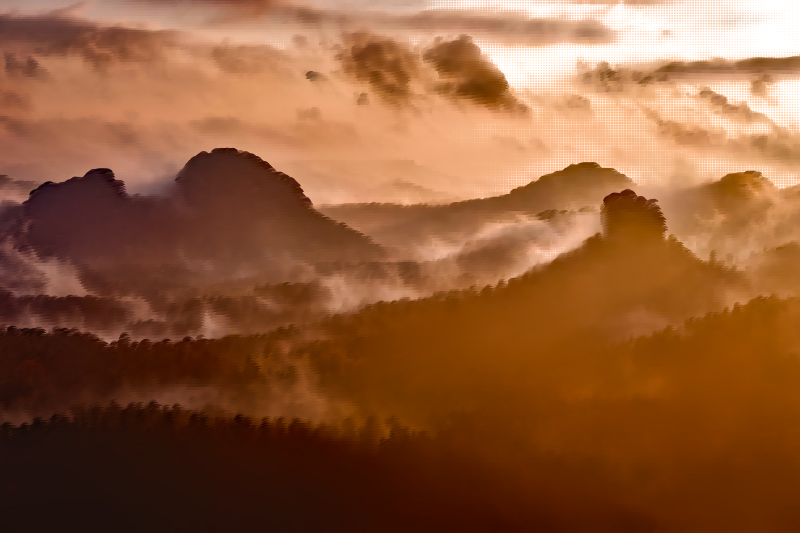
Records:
x=228, y=211
x=626, y=215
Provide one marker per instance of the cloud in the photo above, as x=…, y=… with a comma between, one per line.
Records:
x=741, y=111
x=13, y=100
x=251, y=7
x=689, y=134
x=782, y=147
x=249, y=59
x=603, y=78
x=232, y=11
x=146, y=124
x=234, y=125
x=387, y=65
x=506, y=27
x=456, y=69
x=465, y=73
x=776, y=30
x=778, y=146
x=28, y=68
x=753, y=65
x=58, y=33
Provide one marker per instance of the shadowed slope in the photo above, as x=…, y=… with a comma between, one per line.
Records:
x=229, y=215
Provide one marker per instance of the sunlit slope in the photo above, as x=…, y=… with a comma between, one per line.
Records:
x=468, y=349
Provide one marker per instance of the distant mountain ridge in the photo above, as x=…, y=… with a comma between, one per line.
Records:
x=576, y=186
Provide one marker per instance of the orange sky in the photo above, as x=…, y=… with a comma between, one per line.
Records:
x=164, y=112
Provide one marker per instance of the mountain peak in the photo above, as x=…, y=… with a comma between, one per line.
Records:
x=211, y=177
x=745, y=184
x=576, y=185
x=97, y=182
x=626, y=214
x=586, y=165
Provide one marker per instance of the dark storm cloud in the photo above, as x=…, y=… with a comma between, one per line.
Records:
x=780, y=146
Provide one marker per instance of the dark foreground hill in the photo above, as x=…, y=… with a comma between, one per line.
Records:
x=160, y=469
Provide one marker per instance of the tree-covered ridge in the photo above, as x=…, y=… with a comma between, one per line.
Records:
x=618, y=437
x=578, y=296
x=516, y=330
x=46, y=371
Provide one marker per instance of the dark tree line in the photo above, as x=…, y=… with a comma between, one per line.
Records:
x=156, y=468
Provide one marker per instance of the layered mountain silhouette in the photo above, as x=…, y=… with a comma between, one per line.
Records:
x=629, y=280
x=529, y=401
x=574, y=187
x=466, y=345
x=627, y=216
x=228, y=215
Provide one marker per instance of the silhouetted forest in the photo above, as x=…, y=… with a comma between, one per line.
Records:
x=170, y=469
